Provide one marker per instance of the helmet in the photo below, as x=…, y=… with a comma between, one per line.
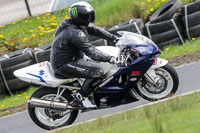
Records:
x=82, y=13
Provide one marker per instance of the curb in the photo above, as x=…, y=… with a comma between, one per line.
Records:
x=187, y=64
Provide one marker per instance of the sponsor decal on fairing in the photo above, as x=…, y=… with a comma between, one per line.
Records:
x=135, y=73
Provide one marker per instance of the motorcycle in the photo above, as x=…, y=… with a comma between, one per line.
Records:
x=141, y=74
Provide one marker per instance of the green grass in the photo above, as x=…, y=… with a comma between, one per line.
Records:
x=112, y=12
x=19, y=98
x=37, y=31
x=180, y=115
x=31, y=32
x=179, y=50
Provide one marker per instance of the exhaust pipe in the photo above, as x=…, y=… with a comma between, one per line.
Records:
x=36, y=102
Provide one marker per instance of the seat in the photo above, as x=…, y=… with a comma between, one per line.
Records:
x=58, y=76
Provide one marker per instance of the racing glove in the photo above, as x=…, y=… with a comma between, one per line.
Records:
x=117, y=60
x=115, y=39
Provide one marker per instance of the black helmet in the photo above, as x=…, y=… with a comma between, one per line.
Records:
x=82, y=13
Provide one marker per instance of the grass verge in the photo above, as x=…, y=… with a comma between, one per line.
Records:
x=174, y=116
x=9, y=104
x=180, y=50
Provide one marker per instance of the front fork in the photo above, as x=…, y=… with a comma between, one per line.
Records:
x=150, y=75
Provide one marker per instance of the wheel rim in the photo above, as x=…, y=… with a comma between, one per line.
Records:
x=44, y=115
x=164, y=85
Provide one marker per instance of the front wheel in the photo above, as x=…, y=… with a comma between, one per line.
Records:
x=50, y=118
x=166, y=85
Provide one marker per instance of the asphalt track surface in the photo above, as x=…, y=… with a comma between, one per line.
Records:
x=21, y=123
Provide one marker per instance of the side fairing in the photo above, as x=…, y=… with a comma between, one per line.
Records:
x=129, y=74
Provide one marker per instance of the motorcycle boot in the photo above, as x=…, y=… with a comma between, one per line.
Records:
x=79, y=101
x=76, y=101
x=87, y=103
x=81, y=97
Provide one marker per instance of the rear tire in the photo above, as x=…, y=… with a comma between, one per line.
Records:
x=167, y=87
x=39, y=118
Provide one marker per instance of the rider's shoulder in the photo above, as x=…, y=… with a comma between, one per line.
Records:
x=78, y=33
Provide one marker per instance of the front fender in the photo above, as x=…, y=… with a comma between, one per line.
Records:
x=159, y=63
x=150, y=74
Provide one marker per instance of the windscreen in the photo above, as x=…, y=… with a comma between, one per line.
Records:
x=138, y=42
x=129, y=37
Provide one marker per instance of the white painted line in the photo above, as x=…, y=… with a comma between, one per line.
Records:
x=148, y=104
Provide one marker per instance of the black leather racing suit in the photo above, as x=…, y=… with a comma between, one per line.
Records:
x=69, y=45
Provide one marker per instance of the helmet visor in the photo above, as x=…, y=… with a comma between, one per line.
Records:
x=90, y=17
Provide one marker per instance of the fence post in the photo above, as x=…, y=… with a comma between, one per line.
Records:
x=28, y=8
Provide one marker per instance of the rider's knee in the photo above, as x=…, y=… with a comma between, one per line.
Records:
x=98, y=73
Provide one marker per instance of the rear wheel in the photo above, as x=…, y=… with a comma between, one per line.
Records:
x=166, y=85
x=51, y=118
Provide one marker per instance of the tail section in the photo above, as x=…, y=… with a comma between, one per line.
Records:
x=40, y=74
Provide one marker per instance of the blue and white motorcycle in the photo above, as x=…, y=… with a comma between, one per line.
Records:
x=140, y=74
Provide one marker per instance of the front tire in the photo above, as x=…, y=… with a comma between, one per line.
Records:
x=49, y=118
x=167, y=84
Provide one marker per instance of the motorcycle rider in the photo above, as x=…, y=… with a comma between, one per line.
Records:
x=69, y=46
